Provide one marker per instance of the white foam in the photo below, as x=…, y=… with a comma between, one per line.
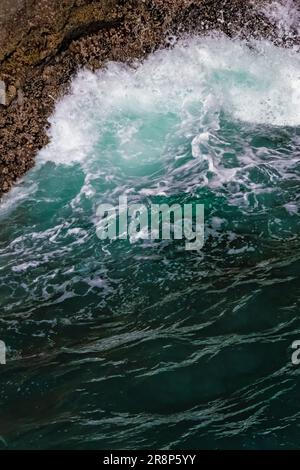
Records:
x=168, y=107
x=292, y=208
x=15, y=197
x=198, y=76
x=285, y=14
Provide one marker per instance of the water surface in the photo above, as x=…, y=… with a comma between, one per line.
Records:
x=132, y=344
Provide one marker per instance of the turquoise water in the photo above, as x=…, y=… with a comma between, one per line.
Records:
x=138, y=344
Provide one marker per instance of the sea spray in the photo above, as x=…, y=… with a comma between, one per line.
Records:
x=114, y=342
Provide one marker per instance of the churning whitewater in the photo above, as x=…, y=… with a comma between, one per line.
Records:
x=143, y=342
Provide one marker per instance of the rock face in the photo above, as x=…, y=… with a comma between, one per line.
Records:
x=44, y=42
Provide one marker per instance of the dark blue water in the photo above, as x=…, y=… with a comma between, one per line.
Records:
x=131, y=344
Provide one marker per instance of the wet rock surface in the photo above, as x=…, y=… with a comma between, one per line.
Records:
x=44, y=42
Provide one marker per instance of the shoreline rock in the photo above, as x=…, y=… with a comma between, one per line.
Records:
x=44, y=42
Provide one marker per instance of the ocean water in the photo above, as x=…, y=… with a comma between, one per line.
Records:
x=131, y=344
